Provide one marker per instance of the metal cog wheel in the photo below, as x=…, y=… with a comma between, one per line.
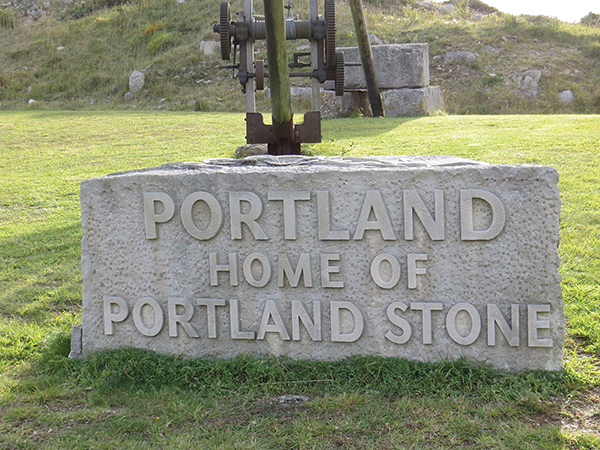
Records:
x=224, y=20
x=340, y=74
x=330, y=34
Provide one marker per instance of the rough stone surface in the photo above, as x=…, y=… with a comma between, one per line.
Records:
x=529, y=84
x=147, y=271
x=209, y=47
x=251, y=150
x=128, y=96
x=489, y=49
x=566, y=97
x=446, y=9
x=136, y=81
x=397, y=66
x=333, y=107
x=460, y=56
x=427, y=5
x=412, y=102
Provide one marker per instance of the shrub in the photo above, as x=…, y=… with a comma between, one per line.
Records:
x=591, y=20
x=7, y=18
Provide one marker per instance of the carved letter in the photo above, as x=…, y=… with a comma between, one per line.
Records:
x=216, y=215
x=413, y=270
x=414, y=202
x=395, y=268
x=467, y=233
x=249, y=218
x=534, y=324
x=265, y=270
x=182, y=319
x=151, y=218
x=324, y=220
x=289, y=209
x=374, y=203
x=234, y=315
x=284, y=269
x=211, y=313
x=326, y=269
x=475, y=323
x=271, y=312
x=139, y=321
x=427, y=307
x=336, y=334
x=399, y=322
x=109, y=316
x=299, y=313
x=495, y=317
x=216, y=268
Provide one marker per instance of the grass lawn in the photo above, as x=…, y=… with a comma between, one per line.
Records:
x=136, y=399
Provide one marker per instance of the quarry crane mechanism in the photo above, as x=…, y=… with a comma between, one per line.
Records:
x=282, y=137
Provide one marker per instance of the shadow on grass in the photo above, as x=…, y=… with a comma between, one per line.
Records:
x=41, y=273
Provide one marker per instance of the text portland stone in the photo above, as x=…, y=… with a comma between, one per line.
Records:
x=423, y=258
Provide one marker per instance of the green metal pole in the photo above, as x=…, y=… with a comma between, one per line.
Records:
x=279, y=81
x=366, y=56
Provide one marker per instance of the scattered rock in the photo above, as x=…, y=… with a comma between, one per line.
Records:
x=489, y=49
x=128, y=97
x=477, y=17
x=374, y=40
x=463, y=56
x=31, y=101
x=446, y=9
x=29, y=89
x=292, y=399
x=529, y=84
x=181, y=1
x=303, y=47
x=209, y=47
x=427, y=5
x=566, y=97
x=60, y=47
x=136, y=81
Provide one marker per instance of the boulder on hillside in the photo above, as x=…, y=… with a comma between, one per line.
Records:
x=566, y=97
x=136, y=81
x=528, y=84
x=446, y=9
x=209, y=47
x=460, y=56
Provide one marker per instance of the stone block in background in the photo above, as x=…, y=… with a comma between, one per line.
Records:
x=397, y=66
x=412, y=102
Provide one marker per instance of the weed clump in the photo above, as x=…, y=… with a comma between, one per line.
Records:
x=7, y=18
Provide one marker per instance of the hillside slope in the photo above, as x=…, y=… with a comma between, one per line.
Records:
x=65, y=54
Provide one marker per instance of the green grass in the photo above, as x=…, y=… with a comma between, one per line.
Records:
x=137, y=399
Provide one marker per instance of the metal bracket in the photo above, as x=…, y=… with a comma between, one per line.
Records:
x=308, y=132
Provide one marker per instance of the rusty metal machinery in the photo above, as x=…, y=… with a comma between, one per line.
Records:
x=282, y=137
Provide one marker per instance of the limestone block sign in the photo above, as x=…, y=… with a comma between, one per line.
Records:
x=424, y=258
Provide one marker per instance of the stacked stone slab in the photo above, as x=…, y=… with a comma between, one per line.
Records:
x=403, y=78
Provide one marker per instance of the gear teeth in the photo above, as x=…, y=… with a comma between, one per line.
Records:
x=224, y=20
